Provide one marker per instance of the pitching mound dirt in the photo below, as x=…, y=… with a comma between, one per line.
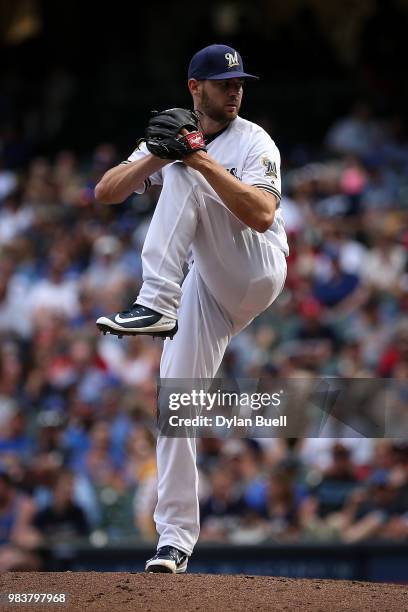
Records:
x=200, y=592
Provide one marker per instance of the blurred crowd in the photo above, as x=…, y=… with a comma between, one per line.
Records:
x=77, y=410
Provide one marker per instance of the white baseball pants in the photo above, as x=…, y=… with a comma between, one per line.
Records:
x=237, y=273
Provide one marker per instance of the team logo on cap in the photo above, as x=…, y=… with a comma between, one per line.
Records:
x=232, y=59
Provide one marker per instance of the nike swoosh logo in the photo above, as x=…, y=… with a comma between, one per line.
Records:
x=119, y=319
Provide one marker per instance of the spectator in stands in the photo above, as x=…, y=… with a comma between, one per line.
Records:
x=370, y=329
x=338, y=289
x=62, y=520
x=19, y=538
x=139, y=363
x=99, y=463
x=11, y=370
x=66, y=177
x=141, y=472
x=384, y=264
x=395, y=354
x=88, y=309
x=221, y=511
x=50, y=424
x=368, y=511
x=337, y=482
x=13, y=430
x=281, y=505
x=15, y=218
x=106, y=271
x=316, y=337
x=358, y=133
x=58, y=292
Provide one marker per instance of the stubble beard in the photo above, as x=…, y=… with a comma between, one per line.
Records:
x=216, y=114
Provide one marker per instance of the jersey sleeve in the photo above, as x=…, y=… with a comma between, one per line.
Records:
x=154, y=179
x=262, y=165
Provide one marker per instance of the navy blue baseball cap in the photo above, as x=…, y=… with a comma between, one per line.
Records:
x=217, y=62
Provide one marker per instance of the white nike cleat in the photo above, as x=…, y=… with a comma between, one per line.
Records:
x=138, y=320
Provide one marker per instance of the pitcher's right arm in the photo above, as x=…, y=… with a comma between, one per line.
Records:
x=120, y=182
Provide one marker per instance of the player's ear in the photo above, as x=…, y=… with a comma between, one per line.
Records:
x=194, y=86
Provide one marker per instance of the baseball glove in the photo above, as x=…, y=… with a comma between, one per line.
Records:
x=163, y=133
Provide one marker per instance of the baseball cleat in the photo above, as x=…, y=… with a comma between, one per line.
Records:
x=138, y=320
x=167, y=560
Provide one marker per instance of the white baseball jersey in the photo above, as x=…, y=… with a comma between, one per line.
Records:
x=249, y=154
x=236, y=274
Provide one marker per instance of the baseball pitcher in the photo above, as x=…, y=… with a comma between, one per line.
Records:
x=220, y=178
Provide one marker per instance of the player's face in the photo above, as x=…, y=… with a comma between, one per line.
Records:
x=221, y=99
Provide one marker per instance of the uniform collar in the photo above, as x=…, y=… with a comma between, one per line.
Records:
x=210, y=137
